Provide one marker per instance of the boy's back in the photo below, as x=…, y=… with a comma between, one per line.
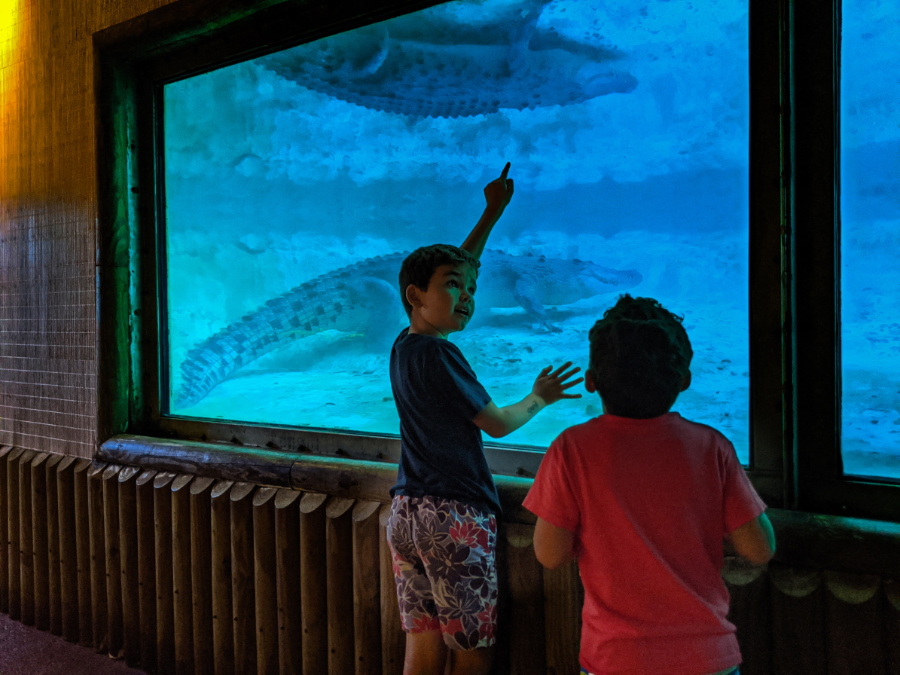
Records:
x=644, y=500
x=437, y=396
x=651, y=500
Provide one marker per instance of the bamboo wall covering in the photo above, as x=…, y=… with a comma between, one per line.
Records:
x=184, y=574
x=48, y=192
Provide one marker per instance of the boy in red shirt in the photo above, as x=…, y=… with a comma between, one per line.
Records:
x=643, y=499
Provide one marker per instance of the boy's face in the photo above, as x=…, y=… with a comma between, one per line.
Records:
x=447, y=305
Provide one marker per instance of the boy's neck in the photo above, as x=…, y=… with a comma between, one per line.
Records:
x=416, y=328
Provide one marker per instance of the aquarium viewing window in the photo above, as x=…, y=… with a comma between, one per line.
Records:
x=870, y=239
x=295, y=182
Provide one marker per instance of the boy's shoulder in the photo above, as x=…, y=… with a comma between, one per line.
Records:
x=672, y=423
x=698, y=427
x=420, y=344
x=428, y=354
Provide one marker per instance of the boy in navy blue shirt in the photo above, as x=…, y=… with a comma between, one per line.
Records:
x=442, y=528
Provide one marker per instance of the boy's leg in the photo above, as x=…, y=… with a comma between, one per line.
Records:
x=426, y=653
x=457, y=543
x=444, y=556
x=471, y=662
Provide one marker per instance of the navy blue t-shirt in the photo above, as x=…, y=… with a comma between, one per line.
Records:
x=437, y=397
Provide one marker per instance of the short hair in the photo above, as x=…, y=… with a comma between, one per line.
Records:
x=420, y=265
x=640, y=354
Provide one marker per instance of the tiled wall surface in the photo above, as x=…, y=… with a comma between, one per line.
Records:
x=48, y=208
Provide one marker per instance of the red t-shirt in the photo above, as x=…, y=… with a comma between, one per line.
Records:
x=650, y=502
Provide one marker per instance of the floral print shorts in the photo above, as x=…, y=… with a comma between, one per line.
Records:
x=445, y=569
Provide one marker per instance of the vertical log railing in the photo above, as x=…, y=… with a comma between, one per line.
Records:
x=223, y=625
x=130, y=567
x=178, y=573
x=146, y=551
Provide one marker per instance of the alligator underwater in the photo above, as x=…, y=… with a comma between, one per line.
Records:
x=431, y=65
x=353, y=298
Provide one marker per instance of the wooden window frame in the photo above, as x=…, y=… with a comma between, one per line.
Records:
x=794, y=225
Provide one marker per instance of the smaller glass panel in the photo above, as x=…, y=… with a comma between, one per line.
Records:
x=870, y=238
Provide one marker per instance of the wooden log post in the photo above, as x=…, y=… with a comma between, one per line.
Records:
x=11, y=488
x=98, y=599
x=798, y=628
x=146, y=551
x=181, y=574
x=26, y=539
x=130, y=571
x=563, y=597
x=266, y=582
x=525, y=601
x=242, y=596
x=751, y=613
x=393, y=639
x=165, y=602
x=40, y=562
x=313, y=597
x=5, y=450
x=366, y=588
x=201, y=580
x=68, y=559
x=287, y=564
x=855, y=624
x=339, y=584
x=54, y=584
x=222, y=621
x=114, y=615
x=83, y=551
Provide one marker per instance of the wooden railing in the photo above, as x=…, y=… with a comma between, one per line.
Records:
x=185, y=573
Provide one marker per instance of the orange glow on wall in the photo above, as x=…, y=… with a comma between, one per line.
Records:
x=11, y=20
x=10, y=28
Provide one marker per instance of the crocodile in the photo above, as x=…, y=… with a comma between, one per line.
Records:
x=433, y=64
x=354, y=299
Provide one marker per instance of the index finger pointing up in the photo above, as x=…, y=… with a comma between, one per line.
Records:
x=505, y=171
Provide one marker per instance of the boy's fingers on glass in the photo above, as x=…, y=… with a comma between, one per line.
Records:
x=573, y=383
x=561, y=368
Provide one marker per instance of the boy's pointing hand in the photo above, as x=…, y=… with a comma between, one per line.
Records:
x=552, y=386
x=499, y=191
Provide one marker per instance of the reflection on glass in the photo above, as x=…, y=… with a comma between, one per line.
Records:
x=295, y=182
x=870, y=238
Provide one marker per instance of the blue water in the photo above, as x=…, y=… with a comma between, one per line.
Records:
x=627, y=128
x=870, y=244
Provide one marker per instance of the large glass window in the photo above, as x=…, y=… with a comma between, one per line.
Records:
x=294, y=183
x=870, y=238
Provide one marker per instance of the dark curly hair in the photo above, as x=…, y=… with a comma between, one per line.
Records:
x=640, y=354
x=420, y=265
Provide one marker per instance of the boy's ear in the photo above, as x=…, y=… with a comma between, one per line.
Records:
x=685, y=382
x=589, y=382
x=412, y=295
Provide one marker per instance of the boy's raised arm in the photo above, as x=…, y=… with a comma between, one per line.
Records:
x=497, y=193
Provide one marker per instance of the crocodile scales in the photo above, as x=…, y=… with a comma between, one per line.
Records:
x=353, y=297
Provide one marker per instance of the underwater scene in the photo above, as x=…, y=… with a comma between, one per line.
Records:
x=870, y=237
x=295, y=183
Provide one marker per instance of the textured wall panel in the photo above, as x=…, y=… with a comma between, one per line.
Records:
x=48, y=193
